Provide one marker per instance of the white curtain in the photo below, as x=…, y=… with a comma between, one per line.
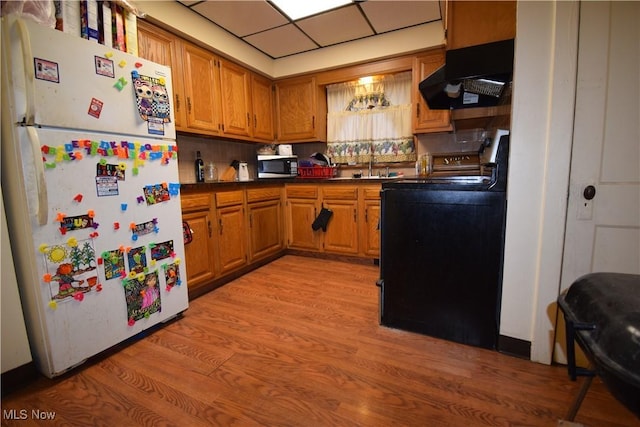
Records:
x=370, y=119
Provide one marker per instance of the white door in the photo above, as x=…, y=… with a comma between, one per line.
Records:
x=603, y=218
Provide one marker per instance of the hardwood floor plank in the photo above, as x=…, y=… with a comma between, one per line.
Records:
x=297, y=343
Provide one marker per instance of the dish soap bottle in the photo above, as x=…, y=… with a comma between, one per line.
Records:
x=199, y=164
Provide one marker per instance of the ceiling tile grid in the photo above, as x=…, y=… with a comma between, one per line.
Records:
x=262, y=25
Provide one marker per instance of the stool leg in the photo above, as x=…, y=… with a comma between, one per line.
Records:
x=577, y=401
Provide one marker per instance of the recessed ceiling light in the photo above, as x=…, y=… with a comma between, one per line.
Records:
x=296, y=9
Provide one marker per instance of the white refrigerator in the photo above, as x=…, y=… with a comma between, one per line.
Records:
x=90, y=179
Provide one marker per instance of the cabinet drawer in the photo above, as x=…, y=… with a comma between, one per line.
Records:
x=195, y=202
x=369, y=193
x=340, y=192
x=302, y=192
x=261, y=194
x=229, y=198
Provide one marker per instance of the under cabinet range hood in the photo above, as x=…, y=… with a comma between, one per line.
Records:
x=474, y=76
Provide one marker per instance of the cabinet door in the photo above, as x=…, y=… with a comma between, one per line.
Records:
x=300, y=214
x=424, y=119
x=162, y=47
x=199, y=254
x=236, y=99
x=371, y=228
x=262, y=102
x=296, y=108
x=201, y=87
x=265, y=228
x=471, y=23
x=231, y=238
x=342, y=231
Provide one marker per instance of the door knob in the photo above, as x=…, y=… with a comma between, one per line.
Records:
x=589, y=192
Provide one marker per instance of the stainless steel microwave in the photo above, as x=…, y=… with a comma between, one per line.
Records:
x=275, y=166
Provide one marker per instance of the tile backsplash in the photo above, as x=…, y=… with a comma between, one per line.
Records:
x=222, y=153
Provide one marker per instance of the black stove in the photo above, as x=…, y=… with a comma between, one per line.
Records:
x=442, y=246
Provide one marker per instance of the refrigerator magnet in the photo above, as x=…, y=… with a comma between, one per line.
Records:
x=95, y=108
x=104, y=67
x=46, y=70
x=106, y=186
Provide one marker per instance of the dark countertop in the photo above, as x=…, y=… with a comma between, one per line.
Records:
x=212, y=186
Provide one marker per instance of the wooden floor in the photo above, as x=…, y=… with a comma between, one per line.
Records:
x=297, y=343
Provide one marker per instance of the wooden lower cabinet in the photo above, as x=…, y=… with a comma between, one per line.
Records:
x=342, y=230
x=302, y=207
x=235, y=230
x=199, y=254
x=232, y=253
x=264, y=215
x=353, y=227
x=369, y=223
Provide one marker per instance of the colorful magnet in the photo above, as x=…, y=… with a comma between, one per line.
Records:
x=116, y=225
x=43, y=248
x=72, y=242
x=138, y=64
x=53, y=305
x=120, y=83
x=78, y=198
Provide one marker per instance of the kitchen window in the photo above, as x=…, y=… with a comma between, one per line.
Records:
x=370, y=119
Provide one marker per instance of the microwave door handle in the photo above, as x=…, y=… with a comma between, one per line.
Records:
x=41, y=185
x=27, y=57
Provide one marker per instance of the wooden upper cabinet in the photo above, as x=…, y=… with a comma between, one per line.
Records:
x=425, y=119
x=162, y=47
x=201, y=88
x=298, y=114
x=471, y=23
x=263, y=105
x=235, y=83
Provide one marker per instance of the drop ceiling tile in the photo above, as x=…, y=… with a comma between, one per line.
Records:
x=281, y=41
x=337, y=26
x=391, y=15
x=241, y=18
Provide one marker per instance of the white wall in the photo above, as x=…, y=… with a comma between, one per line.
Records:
x=542, y=123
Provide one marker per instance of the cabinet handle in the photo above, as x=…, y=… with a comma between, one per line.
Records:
x=366, y=216
x=177, y=102
x=355, y=215
x=250, y=220
x=209, y=227
x=248, y=120
x=418, y=110
x=255, y=121
x=188, y=105
x=313, y=122
x=220, y=224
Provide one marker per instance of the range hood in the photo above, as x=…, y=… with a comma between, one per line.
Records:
x=474, y=76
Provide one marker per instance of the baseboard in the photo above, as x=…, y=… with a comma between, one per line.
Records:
x=19, y=377
x=514, y=347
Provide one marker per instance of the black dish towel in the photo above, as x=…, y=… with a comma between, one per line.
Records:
x=322, y=219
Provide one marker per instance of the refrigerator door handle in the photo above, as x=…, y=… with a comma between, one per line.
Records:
x=27, y=56
x=41, y=185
